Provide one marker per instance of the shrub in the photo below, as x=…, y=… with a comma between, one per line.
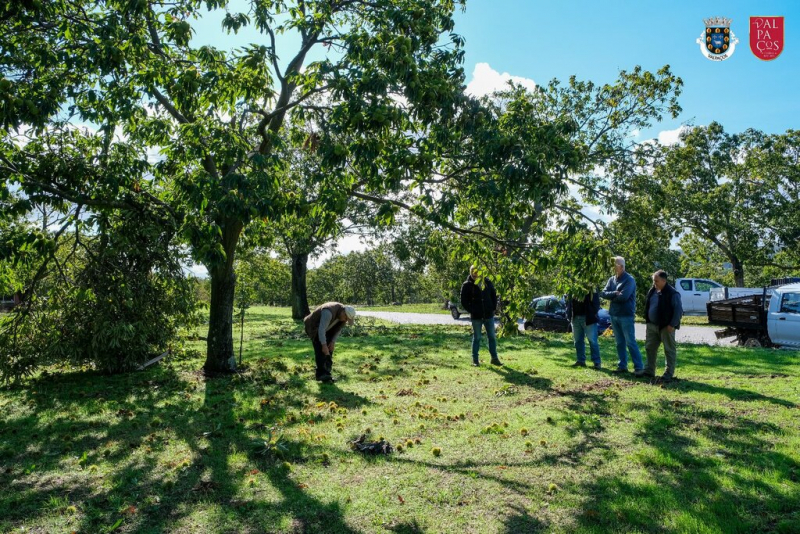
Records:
x=110, y=301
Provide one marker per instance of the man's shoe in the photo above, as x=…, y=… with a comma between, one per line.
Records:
x=598, y=366
x=640, y=373
x=476, y=364
x=579, y=364
x=327, y=379
x=619, y=371
x=496, y=361
x=665, y=379
x=646, y=374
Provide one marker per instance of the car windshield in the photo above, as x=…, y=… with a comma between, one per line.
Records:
x=704, y=285
x=554, y=306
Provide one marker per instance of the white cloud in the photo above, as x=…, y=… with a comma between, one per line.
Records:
x=486, y=80
x=154, y=154
x=196, y=269
x=671, y=137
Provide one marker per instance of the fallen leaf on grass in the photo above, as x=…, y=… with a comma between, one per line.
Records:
x=400, y=498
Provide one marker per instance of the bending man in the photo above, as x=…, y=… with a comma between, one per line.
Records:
x=323, y=326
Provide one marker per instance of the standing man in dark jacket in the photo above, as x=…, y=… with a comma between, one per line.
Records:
x=621, y=291
x=323, y=326
x=582, y=314
x=479, y=298
x=663, y=312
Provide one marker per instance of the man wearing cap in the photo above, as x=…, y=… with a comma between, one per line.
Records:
x=323, y=326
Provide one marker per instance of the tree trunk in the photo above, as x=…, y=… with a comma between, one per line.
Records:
x=299, y=287
x=220, y=357
x=738, y=272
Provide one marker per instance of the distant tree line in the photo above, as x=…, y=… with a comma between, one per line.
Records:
x=370, y=277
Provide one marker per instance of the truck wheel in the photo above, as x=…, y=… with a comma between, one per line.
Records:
x=528, y=326
x=455, y=313
x=752, y=342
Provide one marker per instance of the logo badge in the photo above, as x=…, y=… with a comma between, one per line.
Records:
x=717, y=42
x=766, y=37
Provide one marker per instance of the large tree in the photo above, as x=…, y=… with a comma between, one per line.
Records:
x=732, y=194
x=380, y=67
x=307, y=231
x=379, y=80
x=517, y=171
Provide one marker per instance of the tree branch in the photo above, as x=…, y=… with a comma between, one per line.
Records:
x=171, y=109
x=445, y=224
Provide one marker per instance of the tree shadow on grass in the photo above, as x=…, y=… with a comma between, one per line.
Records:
x=77, y=423
x=684, y=385
x=738, y=360
x=522, y=522
x=518, y=378
x=741, y=485
x=212, y=483
x=344, y=399
x=412, y=527
x=149, y=413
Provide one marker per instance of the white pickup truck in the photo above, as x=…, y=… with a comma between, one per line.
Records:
x=769, y=319
x=695, y=294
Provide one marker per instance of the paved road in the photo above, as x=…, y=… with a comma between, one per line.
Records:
x=687, y=334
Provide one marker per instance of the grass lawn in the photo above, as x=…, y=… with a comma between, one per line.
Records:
x=408, y=308
x=535, y=446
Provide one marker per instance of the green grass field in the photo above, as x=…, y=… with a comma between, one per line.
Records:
x=535, y=446
x=409, y=308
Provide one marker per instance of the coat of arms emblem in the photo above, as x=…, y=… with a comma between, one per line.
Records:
x=717, y=42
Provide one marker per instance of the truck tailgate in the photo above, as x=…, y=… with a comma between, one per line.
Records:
x=744, y=312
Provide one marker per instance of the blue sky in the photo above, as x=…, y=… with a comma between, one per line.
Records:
x=541, y=40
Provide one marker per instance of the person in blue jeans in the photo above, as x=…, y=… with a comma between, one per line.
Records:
x=479, y=298
x=582, y=314
x=621, y=291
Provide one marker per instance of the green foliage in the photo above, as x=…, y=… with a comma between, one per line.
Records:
x=382, y=108
x=640, y=236
x=730, y=197
x=518, y=154
x=105, y=301
x=218, y=116
x=370, y=277
x=263, y=279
